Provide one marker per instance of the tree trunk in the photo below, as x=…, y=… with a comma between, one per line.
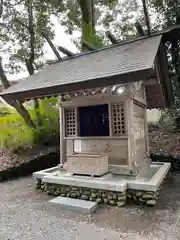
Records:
x=24, y=113
x=88, y=25
x=146, y=16
x=30, y=69
x=30, y=60
x=16, y=104
x=45, y=35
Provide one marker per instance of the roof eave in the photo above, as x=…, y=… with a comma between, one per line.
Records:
x=89, y=84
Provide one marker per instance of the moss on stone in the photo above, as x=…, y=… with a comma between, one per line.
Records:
x=63, y=195
x=73, y=195
x=114, y=196
x=112, y=202
x=88, y=193
x=151, y=203
x=109, y=197
x=68, y=195
x=93, y=195
x=147, y=196
x=138, y=194
x=122, y=198
x=84, y=197
x=99, y=200
x=120, y=203
x=103, y=195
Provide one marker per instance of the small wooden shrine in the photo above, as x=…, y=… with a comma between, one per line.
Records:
x=104, y=96
x=105, y=130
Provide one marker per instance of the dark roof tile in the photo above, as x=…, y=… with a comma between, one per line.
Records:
x=115, y=60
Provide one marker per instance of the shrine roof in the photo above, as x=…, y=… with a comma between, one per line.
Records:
x=116, y=64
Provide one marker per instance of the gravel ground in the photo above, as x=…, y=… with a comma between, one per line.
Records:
x=25, y=214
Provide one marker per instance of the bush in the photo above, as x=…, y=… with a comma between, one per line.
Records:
x=16, y=135
x=48, y=133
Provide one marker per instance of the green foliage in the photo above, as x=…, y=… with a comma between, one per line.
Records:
x=86, y=17
x=48, y=132
x=14, y=132
x=16, y=135
x=21, y=27
x=166, y=121
x=120, y=18
x=167, y=10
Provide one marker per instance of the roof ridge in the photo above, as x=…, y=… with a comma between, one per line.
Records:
x=120, y=43
x=102, y=49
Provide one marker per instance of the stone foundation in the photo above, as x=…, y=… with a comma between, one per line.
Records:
x=100, y=196
x=142, y=197
x=109, y=189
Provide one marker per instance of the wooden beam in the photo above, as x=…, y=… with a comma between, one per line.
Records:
x=151, y=81
x=66, y=51
x=45, y=35
x=89, y=46
x=111, y=37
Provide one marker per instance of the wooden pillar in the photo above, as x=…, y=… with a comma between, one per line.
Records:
x=110, y=119
x=62, y=135
x=129, y=110
x=146, y=132
x=146, y=124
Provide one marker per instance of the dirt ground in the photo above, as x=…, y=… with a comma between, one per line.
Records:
x=25, y=214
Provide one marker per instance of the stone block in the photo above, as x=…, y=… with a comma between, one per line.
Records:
x=76, y=205
x=87, y=164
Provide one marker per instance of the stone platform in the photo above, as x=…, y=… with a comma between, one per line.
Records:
x=109, y=189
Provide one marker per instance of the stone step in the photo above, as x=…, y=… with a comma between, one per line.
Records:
x=76, y=205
